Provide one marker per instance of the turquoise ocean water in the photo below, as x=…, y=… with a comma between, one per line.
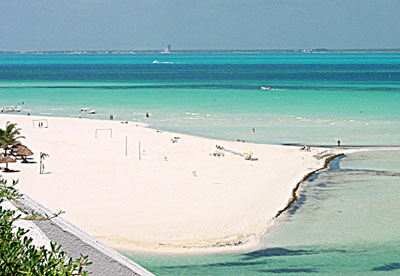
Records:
x=346, y=222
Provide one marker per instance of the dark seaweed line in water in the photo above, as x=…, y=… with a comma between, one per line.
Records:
x=206, y=86
x=354, y=172
x=295, y=197
x=124, y=87
x=343, y=147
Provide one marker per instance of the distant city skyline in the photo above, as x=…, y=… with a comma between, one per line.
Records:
x=198, y=25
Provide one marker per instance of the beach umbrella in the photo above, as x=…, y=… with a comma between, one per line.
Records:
x=13, y=145
x=7, y=159
x=23, y=151
x=16, y=143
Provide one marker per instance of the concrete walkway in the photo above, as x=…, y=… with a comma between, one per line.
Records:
x=106, y=261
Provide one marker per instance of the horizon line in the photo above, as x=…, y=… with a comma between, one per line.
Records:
x=133, y=51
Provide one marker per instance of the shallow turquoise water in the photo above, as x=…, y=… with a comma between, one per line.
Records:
x=346, y=222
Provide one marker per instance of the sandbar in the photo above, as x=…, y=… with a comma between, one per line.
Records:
x=173, y=196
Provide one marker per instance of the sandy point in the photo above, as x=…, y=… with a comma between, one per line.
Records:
x=139, y=189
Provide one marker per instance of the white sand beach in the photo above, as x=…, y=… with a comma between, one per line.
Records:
x=178, y=197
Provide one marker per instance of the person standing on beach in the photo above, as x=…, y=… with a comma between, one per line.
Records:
x=111, y=117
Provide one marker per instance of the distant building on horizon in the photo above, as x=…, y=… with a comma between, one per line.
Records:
x=166, y=49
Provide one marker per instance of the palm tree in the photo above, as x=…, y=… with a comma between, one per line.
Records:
x=9, y=136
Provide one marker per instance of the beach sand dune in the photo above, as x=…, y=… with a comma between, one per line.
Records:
x=173, y=196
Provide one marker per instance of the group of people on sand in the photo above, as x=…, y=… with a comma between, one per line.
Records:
x=250, y=157
x=308, y=148
x=175, y=139
x=219, y=153
x=305, y=148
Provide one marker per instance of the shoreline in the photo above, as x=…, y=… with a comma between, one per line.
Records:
x=305, y=178
x=150, y=126
x=185, y=234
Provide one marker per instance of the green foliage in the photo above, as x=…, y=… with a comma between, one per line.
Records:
x=9, y=136
x=18, y=256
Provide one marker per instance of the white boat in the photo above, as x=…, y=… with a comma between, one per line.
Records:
x=156, y=61
x=88, y=110
x=266, y=88
x=11, y=108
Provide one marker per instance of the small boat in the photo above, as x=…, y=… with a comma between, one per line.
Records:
x=266, y=88
x=156, y=61
x=88, y=110
x=11, y=108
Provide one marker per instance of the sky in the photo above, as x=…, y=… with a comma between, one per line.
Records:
x=203, y=24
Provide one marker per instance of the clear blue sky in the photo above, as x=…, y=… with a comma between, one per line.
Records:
x=198, y=24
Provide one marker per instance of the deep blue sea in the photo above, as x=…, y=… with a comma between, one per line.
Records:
x=346, y=222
